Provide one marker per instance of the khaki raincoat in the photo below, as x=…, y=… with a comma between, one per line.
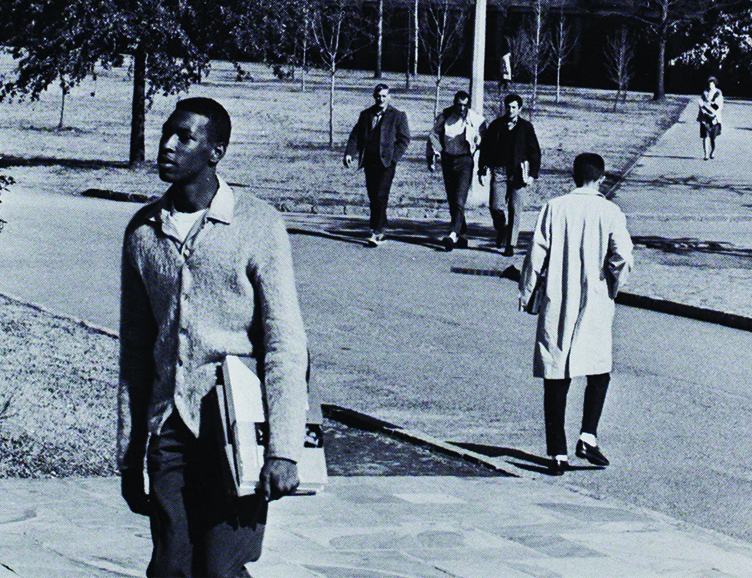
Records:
x=582, y=246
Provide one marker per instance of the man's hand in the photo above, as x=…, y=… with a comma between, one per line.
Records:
x=279, y=477
x=347, y=161
x=132, y=489
x=481, y=174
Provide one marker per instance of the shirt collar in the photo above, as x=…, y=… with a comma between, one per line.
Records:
x=588, y=191
x=220, y=209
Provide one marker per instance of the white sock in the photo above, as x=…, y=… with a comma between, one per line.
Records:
x=562, y=458
x=589, y=439
x=453, y=236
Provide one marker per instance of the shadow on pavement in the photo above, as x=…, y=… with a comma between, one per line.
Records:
x=413, y=232
x=352, y=451
x=521, y=459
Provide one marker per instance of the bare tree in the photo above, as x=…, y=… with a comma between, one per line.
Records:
x=338, y=30
x=539, y=43
x=562, y=42
x=442, y=35
x=619, y=55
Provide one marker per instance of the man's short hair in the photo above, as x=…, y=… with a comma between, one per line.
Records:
x=588, y=168
x=379, y=87
x=461, y=95
x=219, y=125
x=510, y=98
x=713, y=79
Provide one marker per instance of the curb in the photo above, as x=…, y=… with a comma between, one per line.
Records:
x=731, y=320
x=119, y=196
x=367, y=422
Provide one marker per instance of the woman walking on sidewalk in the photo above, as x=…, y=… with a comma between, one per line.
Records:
x=709, y=116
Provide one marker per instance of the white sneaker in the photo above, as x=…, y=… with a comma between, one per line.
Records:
x=376, y=239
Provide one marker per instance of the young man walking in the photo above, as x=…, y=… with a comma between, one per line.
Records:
x=378, y=140
x=510, y=149
x=206, y=273
x=454, y=139
x=580, y=256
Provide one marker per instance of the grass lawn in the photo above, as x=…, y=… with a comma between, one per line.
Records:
x=280, y=150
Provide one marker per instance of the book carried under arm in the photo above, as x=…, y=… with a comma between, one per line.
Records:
x=245, y=431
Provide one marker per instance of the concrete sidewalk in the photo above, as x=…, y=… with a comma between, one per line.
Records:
x=377, y=527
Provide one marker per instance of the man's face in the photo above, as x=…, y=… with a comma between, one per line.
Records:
x=461, y=106
x=381, y=97
x=186, y=148
x=513, y=110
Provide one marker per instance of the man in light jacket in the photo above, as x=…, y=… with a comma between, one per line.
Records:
x=206, y=272
x=581, y=254
x=455, y=138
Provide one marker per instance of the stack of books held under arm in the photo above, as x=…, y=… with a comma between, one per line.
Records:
x=246, y=431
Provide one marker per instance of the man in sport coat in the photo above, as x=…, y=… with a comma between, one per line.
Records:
x=580, y=256
x=379, y=139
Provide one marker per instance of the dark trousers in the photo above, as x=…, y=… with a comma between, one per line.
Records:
x=505, y=197
x=555, y=405
x=458, y=176
x=378, y=184
x=197, y=528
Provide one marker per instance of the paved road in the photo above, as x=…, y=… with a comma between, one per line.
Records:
x=395, y=334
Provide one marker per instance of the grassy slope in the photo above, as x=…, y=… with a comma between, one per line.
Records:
x=280, y=137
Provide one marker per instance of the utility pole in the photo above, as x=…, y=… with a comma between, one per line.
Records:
x=478, y=193
x=479, y=57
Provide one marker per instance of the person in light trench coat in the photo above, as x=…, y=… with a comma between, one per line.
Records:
x=581, y=254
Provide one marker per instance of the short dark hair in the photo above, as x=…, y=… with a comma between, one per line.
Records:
x=588, y=168
x=713, y=79
x=379, y=87
x=461, y=95
x=219, y=125
x=510, y=98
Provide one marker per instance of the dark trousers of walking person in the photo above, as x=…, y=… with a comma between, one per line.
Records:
x=506, y=206
x=458, y=176
x=378, y=184
x=198, y=529
x=555, y=404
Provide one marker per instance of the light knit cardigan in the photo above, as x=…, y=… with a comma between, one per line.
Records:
x=231, y=291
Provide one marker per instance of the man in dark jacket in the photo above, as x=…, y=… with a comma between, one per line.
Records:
x=379, y=139
x=510, y=149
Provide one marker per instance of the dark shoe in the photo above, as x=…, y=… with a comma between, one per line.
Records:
x=558, y=467
x=462, y=243
x=508, y=252
x=590, y=453
x=448, y=243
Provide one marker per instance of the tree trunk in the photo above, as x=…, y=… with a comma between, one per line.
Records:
x=558, y=79
x=437, y=94
x=138, y=109
x=379, y=40
x=416, y=27
x=304, y=68
x=61, y=123
x=332, y=72
x=660, y=86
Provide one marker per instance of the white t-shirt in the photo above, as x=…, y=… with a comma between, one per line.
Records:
x=184, y=222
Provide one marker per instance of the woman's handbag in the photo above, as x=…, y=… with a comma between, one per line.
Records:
x=536, y=297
